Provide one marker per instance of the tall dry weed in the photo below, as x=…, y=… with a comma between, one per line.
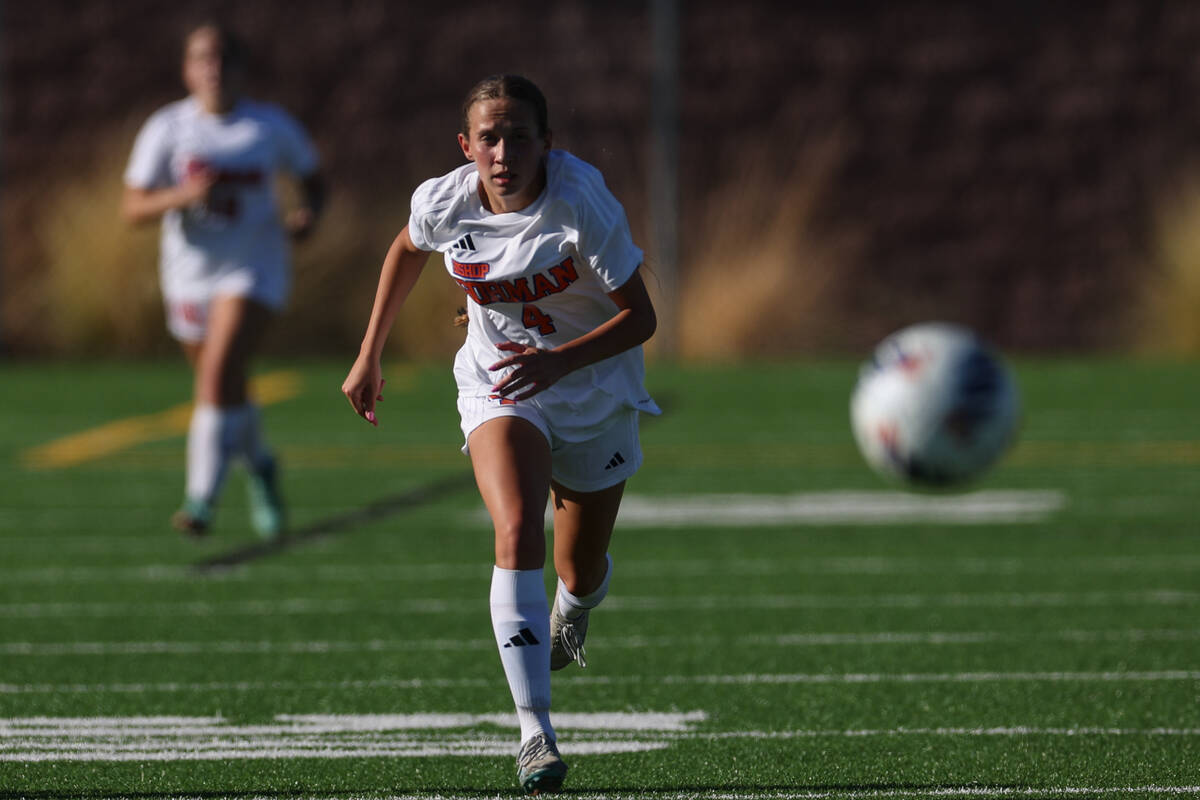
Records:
x=91, y=287
x=764, y=275
x=1167, y=316
x=334, y=282
x=99, y=283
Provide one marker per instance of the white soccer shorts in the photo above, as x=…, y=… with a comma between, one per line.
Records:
x=605, y=460
x=187, y=306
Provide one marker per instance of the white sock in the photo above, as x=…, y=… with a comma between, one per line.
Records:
x=214, y=437
x=572, y=607
x=521, y=620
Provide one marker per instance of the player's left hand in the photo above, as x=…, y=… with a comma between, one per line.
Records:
x=533, y=370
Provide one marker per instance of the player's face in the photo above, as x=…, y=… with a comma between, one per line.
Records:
x=509, y=152
x=209, y=72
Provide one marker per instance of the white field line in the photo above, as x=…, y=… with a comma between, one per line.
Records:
x=604, y=722
x=933, y=793
x=839, y=508
x=1158, y=597
x=169, y=687
x=451, y=572
x=939, y=793
x=326, y=736
x=321, y=647
x=329, y=736
x=299, y=606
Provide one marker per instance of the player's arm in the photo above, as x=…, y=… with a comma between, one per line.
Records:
x=401, y=267
x=140, y=205
x=634, y=323
x=301, y=220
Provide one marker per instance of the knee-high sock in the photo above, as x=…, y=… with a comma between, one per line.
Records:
x=521, y=621
x=253, y=445
x=571, y=606
x=215, y=437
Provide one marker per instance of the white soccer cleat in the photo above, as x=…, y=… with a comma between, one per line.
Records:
x=539, y=766
x=267, y=512
x=566, y=638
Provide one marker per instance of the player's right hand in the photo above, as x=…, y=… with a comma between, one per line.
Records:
x=197, y=183
x=363, y=387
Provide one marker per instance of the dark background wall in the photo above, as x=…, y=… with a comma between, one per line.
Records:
x=995, y=163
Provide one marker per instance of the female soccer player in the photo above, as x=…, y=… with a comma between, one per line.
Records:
x=550, y=378
x=205, y=165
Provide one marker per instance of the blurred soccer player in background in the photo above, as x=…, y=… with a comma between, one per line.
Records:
x=206, y=166
x=550, y=378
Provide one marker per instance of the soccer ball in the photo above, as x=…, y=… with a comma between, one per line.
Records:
x=934, y=406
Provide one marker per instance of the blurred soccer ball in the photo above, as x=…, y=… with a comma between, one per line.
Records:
x=934, y=406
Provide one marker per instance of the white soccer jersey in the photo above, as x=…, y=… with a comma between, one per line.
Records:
x=540, y=277
x=235, y=240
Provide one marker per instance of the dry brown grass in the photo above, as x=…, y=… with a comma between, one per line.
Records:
x=1167, y=318
x=89, y=284
x=99, y=283
x=764, y=279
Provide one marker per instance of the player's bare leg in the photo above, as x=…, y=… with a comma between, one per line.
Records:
x=583, y=526
x=224, y=422
x=511, y=459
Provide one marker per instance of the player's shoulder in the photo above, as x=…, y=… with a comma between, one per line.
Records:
x=172, y=113
x=438, y=196
x=568, y=172
x=577, y=183
x=270, y=113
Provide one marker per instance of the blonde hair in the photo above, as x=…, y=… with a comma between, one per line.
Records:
x=515, y=87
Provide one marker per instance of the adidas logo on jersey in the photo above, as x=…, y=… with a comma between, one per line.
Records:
x=524, y=638
x=616, y=461
x=465, y=243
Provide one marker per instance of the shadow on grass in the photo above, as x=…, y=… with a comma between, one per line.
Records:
x=337, y=524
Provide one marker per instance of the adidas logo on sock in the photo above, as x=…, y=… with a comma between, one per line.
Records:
x=465, y=243
x=522, y=639
x=616, y=461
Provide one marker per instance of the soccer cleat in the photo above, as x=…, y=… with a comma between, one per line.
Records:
x=266, y=504
x=193, y=519
x=566, y=638
x=539, y=766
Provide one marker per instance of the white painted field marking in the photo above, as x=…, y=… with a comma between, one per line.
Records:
x=326, y=646
x=938, y=793
x=972, y=792
x=1165, y=597
x=840, y=508
x=931, y=677
x=336, y=736
x=170, y=687
x=39, y=739
x=452, y=572
x=628, y=603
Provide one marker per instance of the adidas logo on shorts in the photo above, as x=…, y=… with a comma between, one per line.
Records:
x=616, y=461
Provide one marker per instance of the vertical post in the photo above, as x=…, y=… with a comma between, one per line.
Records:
x=664, y=168
x=3, y=116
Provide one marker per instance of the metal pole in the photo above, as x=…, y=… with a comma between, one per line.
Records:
x=664, y=169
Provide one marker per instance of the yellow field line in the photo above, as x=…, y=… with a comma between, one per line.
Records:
x=112, y=437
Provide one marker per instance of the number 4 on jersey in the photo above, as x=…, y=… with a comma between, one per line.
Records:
x=532, y=317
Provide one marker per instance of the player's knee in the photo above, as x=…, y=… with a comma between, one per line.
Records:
x=581, y=578
x=520, y=543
